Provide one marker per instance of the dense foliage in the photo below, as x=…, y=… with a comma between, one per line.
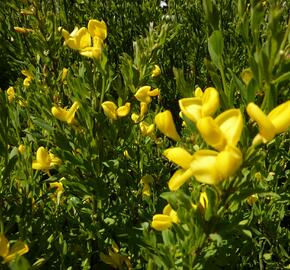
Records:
x=131, y=142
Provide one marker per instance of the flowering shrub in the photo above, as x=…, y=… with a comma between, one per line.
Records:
x=156, y=137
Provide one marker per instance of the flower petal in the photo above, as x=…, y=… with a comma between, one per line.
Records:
x=161, y=222
x=210, y=101
x=230, y=123
x=191, y=108
x=204, y=167
x=266, y=128
x=97, y=29
x=110, y=108
x=4, y=246
x=179, y=156
x=124, y=110
x=179, y=178
x=229, y=161
x=211, y=133
x=18, y=249
x=164, y=122
x=280, y=117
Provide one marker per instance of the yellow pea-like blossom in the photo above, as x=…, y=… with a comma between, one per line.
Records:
x=204, y=104
x=97, y=29
x=225, y=130
x=164, y=122
x=146, y=129
x=165, y=220
x=10, y=94
x=59, y=190
x=29, y=77
x=9, y=254
x=207, y=166
x=45, y=160
x=211, y=167
x=145, y=93
x=146, y=180
x=95, y=51
x=156, y=71
x=113, y=112
x=277, y=121
x=65, y=115
x=21, y=149
x=83, y=38
x=78, y=39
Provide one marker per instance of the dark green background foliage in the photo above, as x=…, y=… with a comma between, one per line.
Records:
x=195, y=43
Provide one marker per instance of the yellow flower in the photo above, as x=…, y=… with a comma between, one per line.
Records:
x=23, y=30
x=11, y=94
x=164, y=221
x=145, y=93
x=143, y=108
x=164, y=122
x=78, y=39
x=59, y=190
x=225, y=130
x=44, y=160
x=211, y=167
x=115, y=259
x=28, y=79
x=94, y=51
x=204, y=104
x=146, y=129
x=207, y=166
x=64, y=114
x=146, y=180
x=180, y=177
x=156, y=71
x=126, y=154
x=135, y=118
x=97, y=29
x=198, y=92
x=277, y=121
x=179, y=156
x=113, y=112
x=18, y=249
x=21, y=149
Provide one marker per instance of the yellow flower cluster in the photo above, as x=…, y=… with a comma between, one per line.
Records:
x=144, y=95
x=222, y=133
x=88, y=41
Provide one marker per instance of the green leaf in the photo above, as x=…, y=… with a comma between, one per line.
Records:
x=39, y=122
x=216, y=47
